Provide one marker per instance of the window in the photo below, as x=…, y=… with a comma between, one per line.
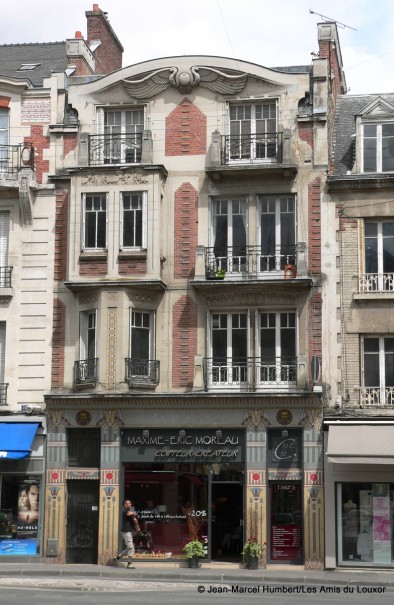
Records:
x=379, y=256
x=253, y=131
x=378, y=147
x=3, y=390
x=83, y=447
x=229, y=342
x=277, y=233
x=123, y=136
x=133, y=220
x=85, y=370
x=142, y=365
x=277, y=342
x=4, y=152
x=228, y=235
x=95, y=220
x=5, y=271
x=378, y=370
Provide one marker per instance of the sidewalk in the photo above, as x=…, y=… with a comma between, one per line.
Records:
x=207, y=573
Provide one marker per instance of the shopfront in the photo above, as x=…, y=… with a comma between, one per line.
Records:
x=360, y=495
x=186, y=484
x=21, y=481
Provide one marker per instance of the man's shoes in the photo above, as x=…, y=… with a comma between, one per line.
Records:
x=130, y=566
x=116, y=559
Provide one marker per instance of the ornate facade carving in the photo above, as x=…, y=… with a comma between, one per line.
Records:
x=250, y=299
x=25, y=201
x=154, y=82
x=114, y=178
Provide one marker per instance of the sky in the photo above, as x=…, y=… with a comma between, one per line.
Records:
x=265, y=32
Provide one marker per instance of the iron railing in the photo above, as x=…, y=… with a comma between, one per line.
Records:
x=251, y=373
x=375, y=282
x=85, y=372
x=14, y=158
x=5, y=277
x=142, y=371
x=253, y=260
x=115, y=149
x=376, y=396
x=3, y=393
x=252, y=148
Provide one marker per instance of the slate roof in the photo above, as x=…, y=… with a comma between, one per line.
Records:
x=344, y=139
x=52, y=57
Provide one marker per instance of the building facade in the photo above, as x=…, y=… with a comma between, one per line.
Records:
x=187, y=341
x=359, y=424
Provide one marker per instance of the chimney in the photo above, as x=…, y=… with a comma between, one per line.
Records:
x=79, y=35
x=108, y=53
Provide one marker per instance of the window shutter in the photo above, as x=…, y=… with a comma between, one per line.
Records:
x=100, y=131
x=145, y=219
x=361, y=247
x=121, y=212
x=4, y=236
x=2, y=350
x=83, y=219
x=83, y=335
x=153, y=335
x=106, y=219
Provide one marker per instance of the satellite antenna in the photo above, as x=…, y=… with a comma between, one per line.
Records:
x=342, y=25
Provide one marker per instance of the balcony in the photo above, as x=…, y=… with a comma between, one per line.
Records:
x=107, y=149
x=254, y=374
x=377, y=283
x=85, y=373
x=3, y=393
x=376, y=396
x=265, y=147
x=14, y=158
x=257, y=261
x=142, y=372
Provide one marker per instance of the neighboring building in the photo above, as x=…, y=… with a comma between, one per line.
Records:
x=33, y=103
x=359, y=422
x=186, y=351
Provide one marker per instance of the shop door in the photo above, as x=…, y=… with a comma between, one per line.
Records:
x=82, y=521
x=286, y=523
x=227, y=521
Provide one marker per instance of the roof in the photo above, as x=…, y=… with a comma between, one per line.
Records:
x=51, y=57
x=344, y=139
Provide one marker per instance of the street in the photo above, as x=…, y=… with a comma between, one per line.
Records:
x=81, y=591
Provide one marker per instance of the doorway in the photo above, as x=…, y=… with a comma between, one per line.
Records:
x=227, y=521
x=286, y=545
x=82, y=521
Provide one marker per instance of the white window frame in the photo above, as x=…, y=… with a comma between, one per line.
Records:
x=152, y=332
x=252, y=152
x=2, y=350
x=229, y=374
x=84, y=216
x=4, y=139
x=86, y=318
x=381, y=394
x=380, y=281
x=274, y=372
x=144, y=208
x=125, y=154
x=231, y=262
x=379, y=146
x=280, y=258
x=4, y=243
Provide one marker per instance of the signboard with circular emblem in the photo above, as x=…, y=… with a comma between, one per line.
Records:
x=284, y=417
x=83, y=417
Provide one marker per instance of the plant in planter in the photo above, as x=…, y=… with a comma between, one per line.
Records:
x=194, y=550
x=251, y=553
x=220, y=273
x=213, y=273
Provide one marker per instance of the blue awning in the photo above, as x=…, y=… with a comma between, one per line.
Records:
x=16, y=439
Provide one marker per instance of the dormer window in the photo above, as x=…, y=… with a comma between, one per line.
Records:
x=378, y=147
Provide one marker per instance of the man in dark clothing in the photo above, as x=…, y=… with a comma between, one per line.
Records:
x=129, y=524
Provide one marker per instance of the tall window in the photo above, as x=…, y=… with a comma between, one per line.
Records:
x=133, y=220
x=378, y=370
x=4, y=152
x=277, y=232
x=228, y=233
x=379, y=254
x=5, y=275
x=141, y=335
x=229, y=342
x=378, y=147
x=253, y=131
x=278, y=347
x=123, y=130
x=2, y=351
x=95, y=220
x=87, y=339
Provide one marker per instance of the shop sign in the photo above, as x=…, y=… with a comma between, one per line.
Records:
x=189, y=445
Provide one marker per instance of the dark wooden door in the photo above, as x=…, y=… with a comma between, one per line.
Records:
x=82, y=521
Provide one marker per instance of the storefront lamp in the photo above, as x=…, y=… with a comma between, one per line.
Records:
x=285, y=433
x=182, y=433
x=219, y=434
x=145, y=433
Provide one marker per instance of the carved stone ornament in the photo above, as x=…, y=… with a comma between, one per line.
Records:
x=154, y=82
x=25, y=201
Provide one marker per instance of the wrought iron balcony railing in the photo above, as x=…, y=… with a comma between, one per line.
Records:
x=3, y=393
x=5, y=277
x=85, y=372
x=115, y=149
x=376, y=396
x=251, y=373
x=375, y=282
x=14, y=158
x=252, y=260
x=252, y=148
x=142, y=371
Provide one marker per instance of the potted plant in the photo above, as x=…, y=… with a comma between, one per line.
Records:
x=220, y=273
x=251, y=553
x=194, y=550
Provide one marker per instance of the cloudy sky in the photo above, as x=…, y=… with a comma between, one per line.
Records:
x=265, y=32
